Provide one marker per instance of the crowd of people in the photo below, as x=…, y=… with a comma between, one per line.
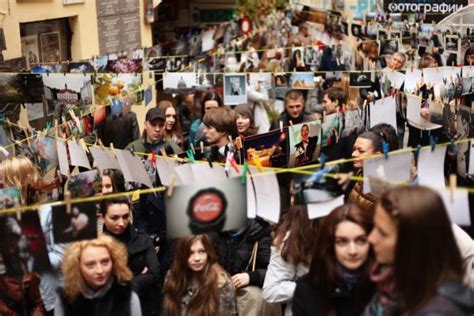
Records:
x=395, y=253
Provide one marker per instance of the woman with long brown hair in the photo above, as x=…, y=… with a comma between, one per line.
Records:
x=418, y=260
x=338, y=279
x=196, y=284
x=172, y=132
x=291, y=255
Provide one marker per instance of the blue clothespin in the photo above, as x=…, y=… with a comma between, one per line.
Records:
x=417, y=151
x=317, y=176
x=386, y=148
x=190, y=154
x=452, y=147
x=433, y=142
x=2, y=119
x=322, y=159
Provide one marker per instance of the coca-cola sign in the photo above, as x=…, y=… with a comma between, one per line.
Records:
x=207, y=207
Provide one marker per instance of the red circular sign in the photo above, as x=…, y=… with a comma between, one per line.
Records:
x=207, y=207
x=246, y=25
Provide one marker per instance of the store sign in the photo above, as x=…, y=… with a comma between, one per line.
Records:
x=434, y=9
x=216, y=15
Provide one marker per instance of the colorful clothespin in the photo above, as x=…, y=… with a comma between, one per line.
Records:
x=452, y=147
x=257, y=162
x=153, y=157
x=243, y=177
x=417, y=151
x=452, y=185
x=317, y=176
x=192, y=148
x=48, y=127
x=386, y=148
x=238, y=143
x=169, y=192
x=322, y=159
x=190, y=155
x=67, y=200
x=433, y=142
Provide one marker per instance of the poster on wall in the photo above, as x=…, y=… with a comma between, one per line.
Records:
x=29, y=49
x=50, y=47
x=436, y=9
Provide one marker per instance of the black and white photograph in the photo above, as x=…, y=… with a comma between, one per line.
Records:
x=356, y=30
x=235, y=89
x=305, y=143
x=260, y=81
x=180, y=81
x=451, y=43
x=219, y=205
x=344, y=28
x=79, y=224
x=360, y=79
x=389, y=46
x=22, y=244
x=312, y=55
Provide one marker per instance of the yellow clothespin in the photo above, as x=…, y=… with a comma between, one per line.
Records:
x=238, y=143
x=452, y=185
x=171, y=184
x=257, y=162
x=136, y=195
x=83, y=145
x=17, y=209
x=67, y=200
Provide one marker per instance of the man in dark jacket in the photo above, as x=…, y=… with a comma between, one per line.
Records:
x=234, y=251
x=294, y=110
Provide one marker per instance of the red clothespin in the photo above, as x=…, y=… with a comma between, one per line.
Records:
x=153, y=157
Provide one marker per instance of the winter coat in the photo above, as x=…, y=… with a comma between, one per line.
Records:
x=234, y=253
x=452, y=299
x=466, y=247
x=16, y=298
x=306, y=300
x=280, y=280
x=112, y=299
x=141, y=255
x=365, y=201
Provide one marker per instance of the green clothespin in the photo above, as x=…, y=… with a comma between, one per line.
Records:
x=190, y=155
x=48, y=127
x=243, y=177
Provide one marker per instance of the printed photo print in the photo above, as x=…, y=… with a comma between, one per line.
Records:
x=271, y=148
x=305, y=143
x=80, y=224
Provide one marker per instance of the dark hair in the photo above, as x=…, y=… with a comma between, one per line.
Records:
x=211, y=96
x=117, y=179
x=322, y=271
x=336, y=94
x=222, y=119
x=426, y=252
x=426, y=60
x=469, y=51
x=302, y=231
x=376, y=139
x=388, y=133
x=104, y=205
x=293, y=94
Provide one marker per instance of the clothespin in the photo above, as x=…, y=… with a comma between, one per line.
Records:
x=257, y=162
x=238, y=143
x=48, y=127
x=317, y=176
x=17, y=209
x=4, y=151
x=417, y=151
x=163, y=152
x=291, y=123
x=433, y=142
x=281, y=125
x=322, y=159
x=192, y=148
x=135, y=195
x=171, y=184
x=452, y=147
x=190, y=155
x=83, y=145
x=233, y=163
x=243, y=177
x=112, y=148
x=452, y=185
x=386, y=148
x=201, y=145
x=67, y=200
x=153, y=157
x=101, y=144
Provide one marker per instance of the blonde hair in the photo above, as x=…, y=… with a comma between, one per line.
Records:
x=18, y=171
x=74, y=283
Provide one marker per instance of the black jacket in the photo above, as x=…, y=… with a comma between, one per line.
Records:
x=306, y=300
x=234, y=253
x=115, y=302
x=141, y=254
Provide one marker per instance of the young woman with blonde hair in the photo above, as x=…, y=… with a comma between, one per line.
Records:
x=196, y=284
x=97, y=280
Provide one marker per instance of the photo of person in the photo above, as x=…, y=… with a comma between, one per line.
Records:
x=271, y=148
x=8, y=196
x=451, y=43
x=389, y=46
x=235, y=89
x=305, y=141
x=297, y=59
x=360, y=79
x=280, y=80
x=80, y=224
x=22, y=244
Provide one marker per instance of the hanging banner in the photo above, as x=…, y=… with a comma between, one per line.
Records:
x=435, y=10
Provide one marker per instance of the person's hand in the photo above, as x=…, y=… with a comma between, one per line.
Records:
x=240, y=280
x=344, y=180
x=157, y=249
x=145, y=270
x=425, y=113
